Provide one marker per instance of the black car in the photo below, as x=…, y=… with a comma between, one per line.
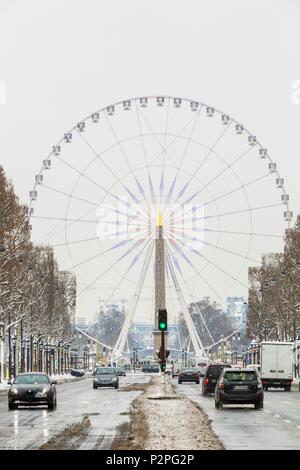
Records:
x=188, y=374
x=32, y=389
x=211, y=377
x=120, y=371
x=239, y=386
x=77, y=372
x=150, y=369
x=105, y=377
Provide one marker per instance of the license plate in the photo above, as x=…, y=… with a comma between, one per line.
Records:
x=276, y=383
x=240, y=387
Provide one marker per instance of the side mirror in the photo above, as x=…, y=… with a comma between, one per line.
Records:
x=54, y=382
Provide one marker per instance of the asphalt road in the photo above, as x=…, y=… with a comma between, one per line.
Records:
x=277, y=426
x=107, y=408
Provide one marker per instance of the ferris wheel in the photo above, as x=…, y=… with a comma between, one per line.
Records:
x=211, y=183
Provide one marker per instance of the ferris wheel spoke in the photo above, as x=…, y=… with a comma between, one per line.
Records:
x=222, y=196
x=154, y=134
x=188, y=261
x=199, y=310
x=119, y=244
x=75, y=242
x=69, y=195
x=106, y=191
x=188, y=141
x=113, y=265
x=228, y=167
x=216, y=266
x=152, y=194
x=184, y=188
x=217, y=247
x=243, y=211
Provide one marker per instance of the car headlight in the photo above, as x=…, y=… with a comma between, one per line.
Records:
x=114, y=379
x=43, y=393
x=14, y=390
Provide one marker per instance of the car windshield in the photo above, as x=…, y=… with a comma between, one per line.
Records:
x=119, y=369
x=188, y=369
x=215, y=371
x=31, y=379
x=105, y=370
x=243, y=376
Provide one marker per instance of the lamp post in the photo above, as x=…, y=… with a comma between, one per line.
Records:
x=2, y=351
x=14, y=341
x=27, y=342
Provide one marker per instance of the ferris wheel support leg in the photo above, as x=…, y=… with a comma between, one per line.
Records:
x=120, y=343
x=197, y=344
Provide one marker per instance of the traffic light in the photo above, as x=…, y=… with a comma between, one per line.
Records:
x=162, y=319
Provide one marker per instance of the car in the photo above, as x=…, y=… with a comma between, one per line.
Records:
x=239, y=386
x=77, y=372
x=150, y=369
x=211, y=377
x=32, y=389
x=188, y=374
x=255, y=367
x=120, y=371
x=201, y=371
x=105, y=377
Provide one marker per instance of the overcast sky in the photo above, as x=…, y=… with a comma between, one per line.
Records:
x=60, y=60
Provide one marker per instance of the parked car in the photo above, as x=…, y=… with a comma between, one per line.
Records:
x=32, y=389
x=105, y=377
x=188, y=374
x=211, y=377
x=239, y=386
x=77, y=372
x=120, y=371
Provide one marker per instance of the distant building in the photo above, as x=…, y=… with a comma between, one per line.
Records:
x=143, y=334
x=81, y=322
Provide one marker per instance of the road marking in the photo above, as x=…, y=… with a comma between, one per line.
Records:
x=267, y=411
x=277, y=416
x=287, y=420
x=268, y=402
x=298, y=427
x=286, y=402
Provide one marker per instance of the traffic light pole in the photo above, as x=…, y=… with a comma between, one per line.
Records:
x=163, y=353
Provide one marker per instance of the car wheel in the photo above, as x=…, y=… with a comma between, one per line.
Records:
x=204, y=392
x=259, y=405
x=217, y=405
x=197, y=382
x=117, y=386
x=94, y=386
x=179, y=381
x=288, y=388
x=51, y=405
x=265, y=389
x=12, y=406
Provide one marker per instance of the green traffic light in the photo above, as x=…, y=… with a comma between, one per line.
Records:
x=162, y=325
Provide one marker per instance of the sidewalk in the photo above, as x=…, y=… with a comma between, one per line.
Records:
x=63, y=378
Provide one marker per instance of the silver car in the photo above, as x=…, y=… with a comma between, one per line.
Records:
x=105, y=377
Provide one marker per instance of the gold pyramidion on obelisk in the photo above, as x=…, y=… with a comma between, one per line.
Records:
x=159, y=219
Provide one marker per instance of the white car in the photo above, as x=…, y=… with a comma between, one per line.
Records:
x=255, y=367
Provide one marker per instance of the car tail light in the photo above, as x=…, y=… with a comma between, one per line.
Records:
x=206, y=381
